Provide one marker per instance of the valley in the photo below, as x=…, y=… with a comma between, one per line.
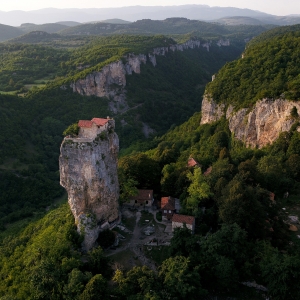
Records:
x=207, y=116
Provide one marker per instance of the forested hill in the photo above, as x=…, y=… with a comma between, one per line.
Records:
x=232, y=186
x=269, y=68
x=237, y=194
x=169, y=26
x=9, y=32
x=159, y=97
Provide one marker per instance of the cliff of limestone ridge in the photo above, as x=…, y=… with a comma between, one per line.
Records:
x=88, y=171
x=258, y=92
x=110, y=82
x=256, y=127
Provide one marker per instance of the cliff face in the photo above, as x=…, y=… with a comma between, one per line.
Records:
x=88, y=171
x=110, y=82
x=256, y=127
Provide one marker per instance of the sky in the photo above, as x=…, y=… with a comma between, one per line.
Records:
x=276, y=7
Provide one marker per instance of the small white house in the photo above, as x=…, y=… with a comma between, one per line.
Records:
x=180, y=220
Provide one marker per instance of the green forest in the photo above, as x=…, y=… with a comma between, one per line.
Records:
x=33, y=125
x=268, y=69
x=240, y=205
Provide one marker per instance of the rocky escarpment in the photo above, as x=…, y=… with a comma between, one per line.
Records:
x=88, y=171
x=256, y=127
x=110, y=82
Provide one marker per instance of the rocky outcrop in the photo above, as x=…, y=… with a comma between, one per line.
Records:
x=224, y=43
x=256, y=127
x=99, y=83
x=134, y=63
x=88, y=171
x=110, y=82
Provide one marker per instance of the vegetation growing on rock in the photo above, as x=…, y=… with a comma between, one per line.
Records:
x=268, y=69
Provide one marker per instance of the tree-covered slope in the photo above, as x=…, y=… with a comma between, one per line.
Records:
x=239, y=21
x=43, y=261
x=241, y=230
x=160, y=97
x=49, y=28
x=169, y=26
x=231, y=186
x=9, y=32
x=269, y=68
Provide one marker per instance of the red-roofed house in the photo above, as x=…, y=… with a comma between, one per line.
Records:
x=180, y=220
x=192, y=162
x=167, y=207
x=143, y=198
x=90, y=129
x=208, y=171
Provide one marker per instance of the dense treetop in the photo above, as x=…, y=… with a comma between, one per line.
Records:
x=269, y=68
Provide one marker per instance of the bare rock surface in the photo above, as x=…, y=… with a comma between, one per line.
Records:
x=88, y=171
x=110, y=82
x=256, y=127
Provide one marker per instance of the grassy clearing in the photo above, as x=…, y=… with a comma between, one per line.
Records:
x=13, y=164
x=34, y=85
x=129, y=223
x=42, y=81
x=159, y=216
x=8, y=93
x=14, y=228
x=157, y=254
x=60, y=200
x=145, y=215
x=125, y=260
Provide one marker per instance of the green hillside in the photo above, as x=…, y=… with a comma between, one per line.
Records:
x=30, y=146
x=35, y=37
x=115, y=21
x=9, y=32
x=236, y=194
x=269, y=69
x=169, y=26
x=239, y=21
x=49, y=28
x=240, y=237
x=68, y=23
x=43, y=262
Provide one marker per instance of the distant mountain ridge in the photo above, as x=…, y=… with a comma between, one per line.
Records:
x=239, y=21
x=133, y=13
x=9, y=32
x=170, y=26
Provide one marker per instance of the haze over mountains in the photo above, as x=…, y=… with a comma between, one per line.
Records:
x=133, y=13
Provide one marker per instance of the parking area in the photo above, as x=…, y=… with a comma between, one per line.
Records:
x=141, y=234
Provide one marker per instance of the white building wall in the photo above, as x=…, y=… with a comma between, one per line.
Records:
x=177, y=224
x=89, y=133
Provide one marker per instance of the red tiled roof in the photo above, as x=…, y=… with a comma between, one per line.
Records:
x=183, y=219
x=85, y=123
x=168, y=203
x=100, y=121
x=143, y=195
x=192, y=162
x=89, y=124
x=208, y=171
